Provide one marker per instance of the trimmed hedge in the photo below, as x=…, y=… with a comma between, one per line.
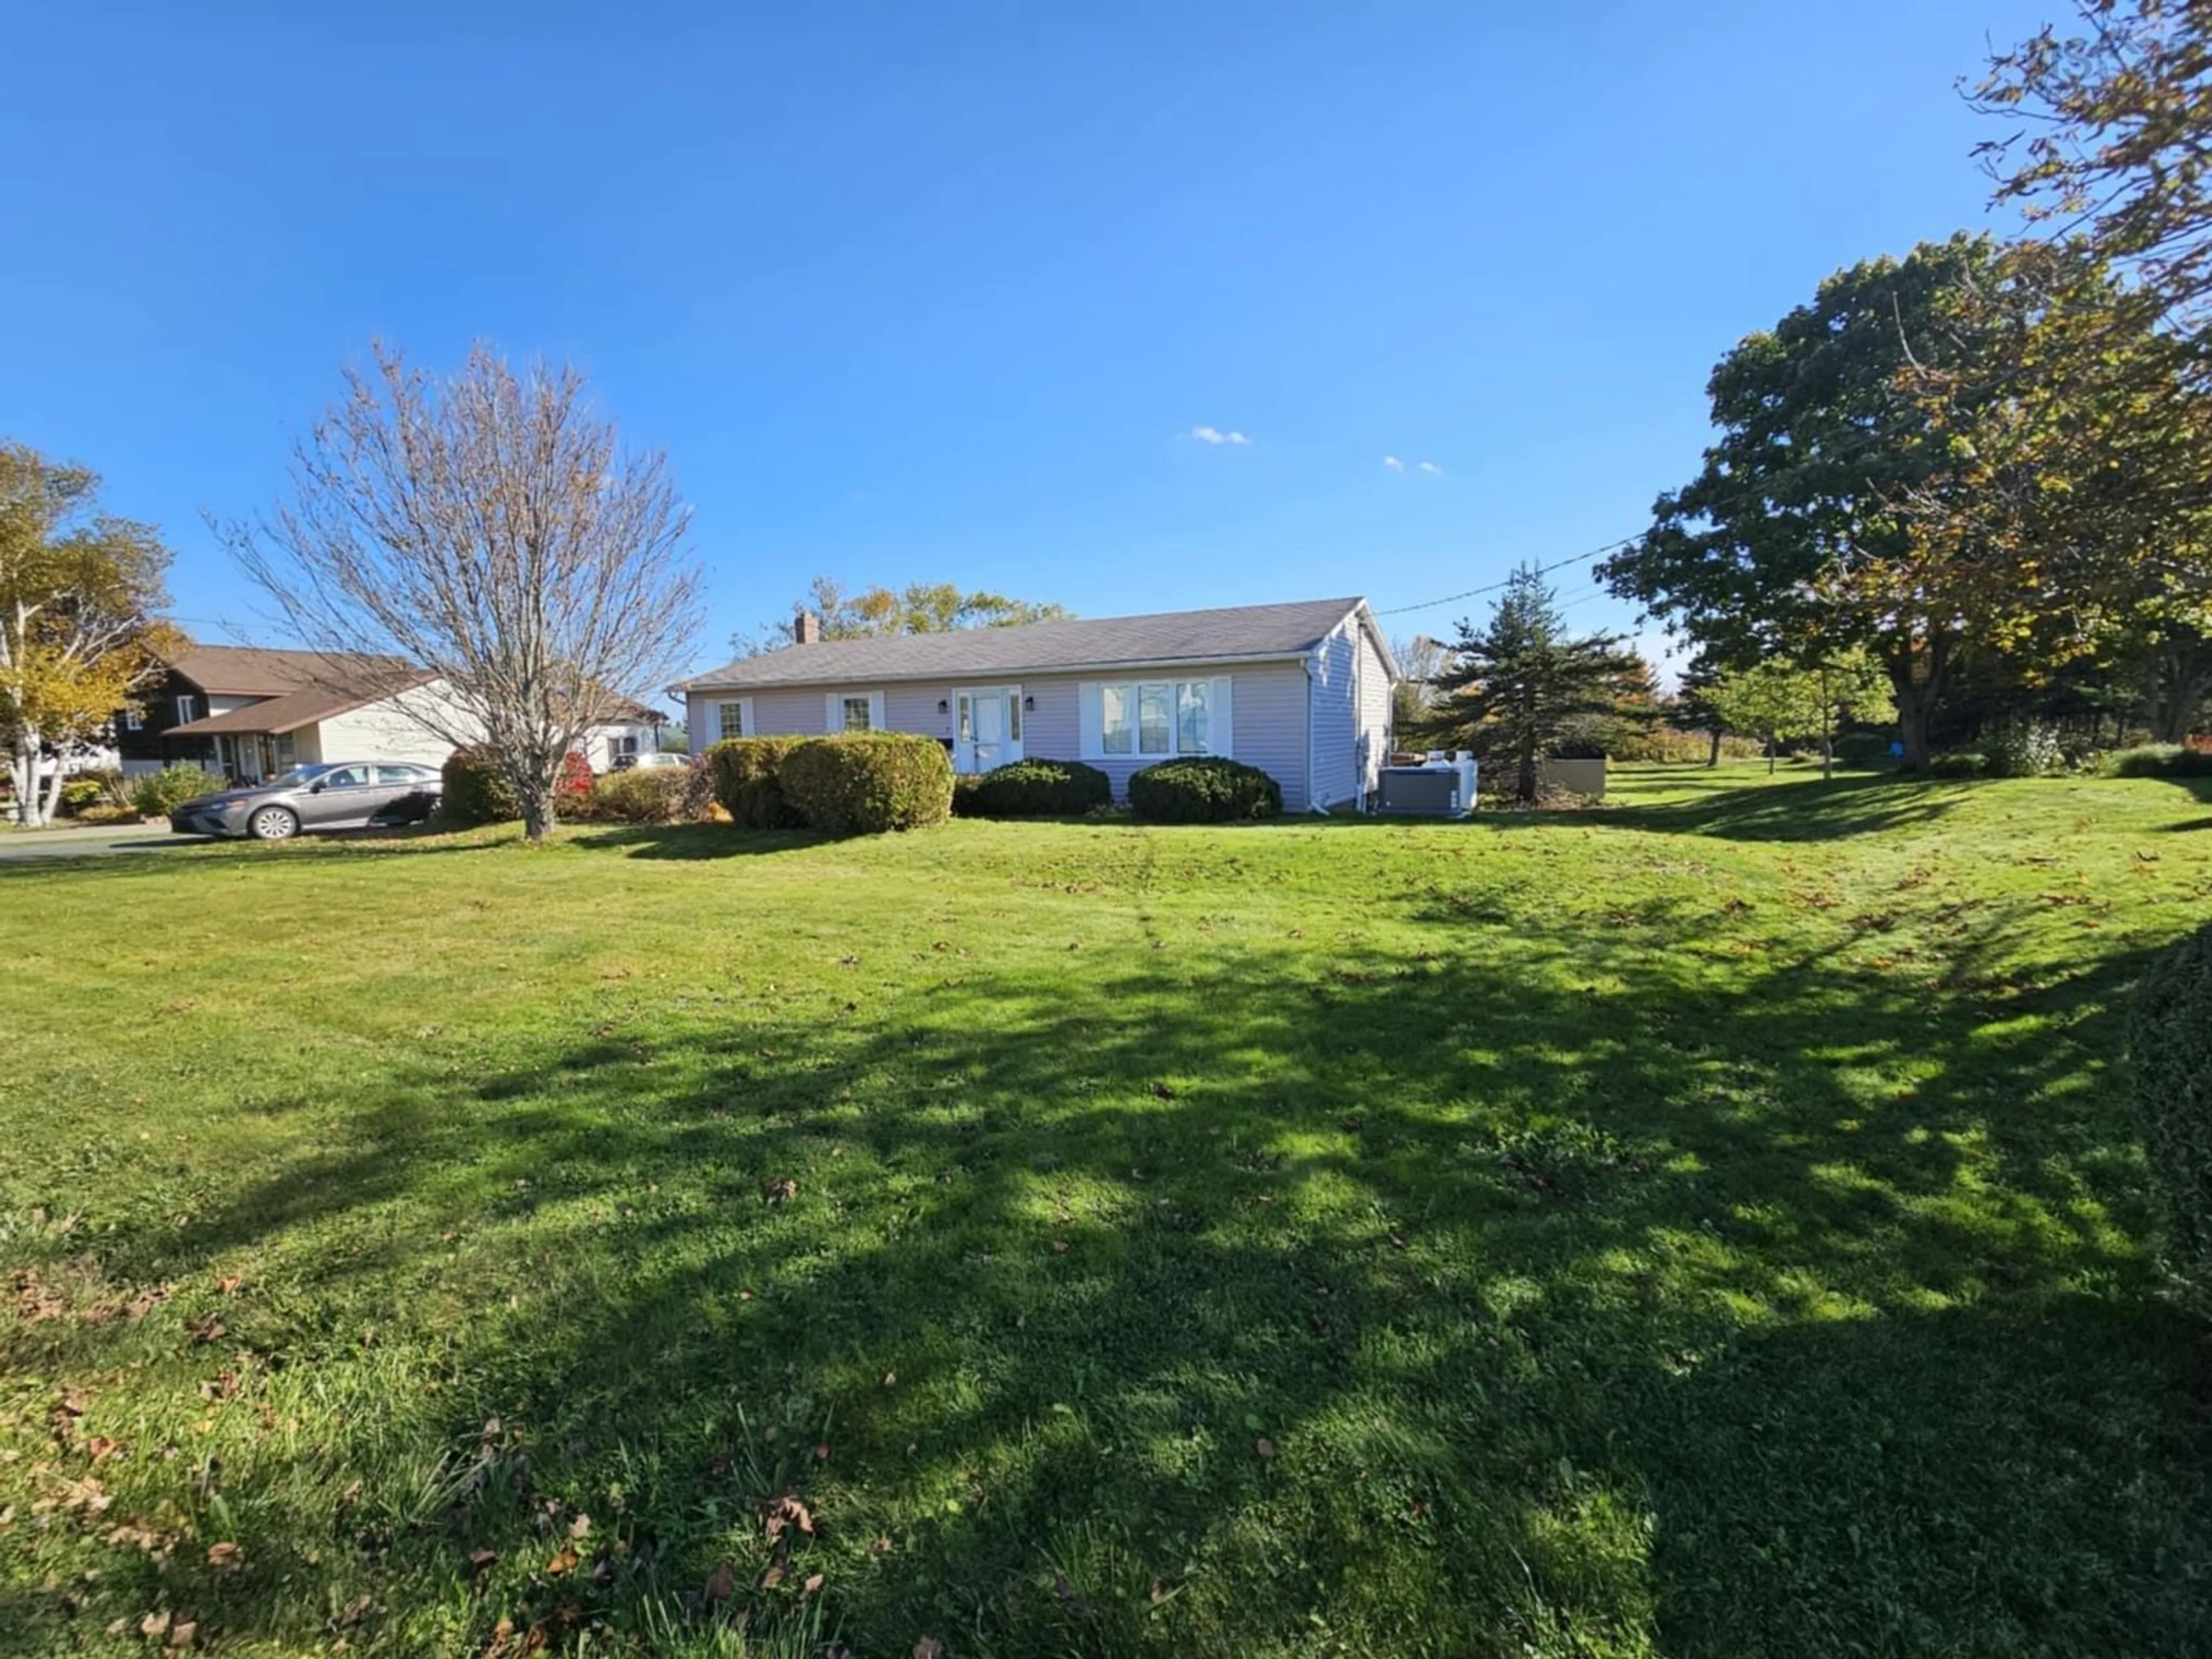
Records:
x=1208, y=791
x=2158, y=760
x=477, y=791
x=647, y=795
x=1034, y=789
x=745, y=771
x=2170, y=1043
x=864, y=783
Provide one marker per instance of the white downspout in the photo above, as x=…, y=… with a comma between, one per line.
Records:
x=1314, y=803
x=1358, y=724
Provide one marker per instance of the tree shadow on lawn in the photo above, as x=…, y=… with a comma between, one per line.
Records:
x=1813, y=809
x=1575, y=1297
x=688, y=841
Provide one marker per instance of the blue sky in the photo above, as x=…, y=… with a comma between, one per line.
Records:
x=941, y=292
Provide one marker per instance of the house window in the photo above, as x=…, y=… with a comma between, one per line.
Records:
x=1194, y=702
x=730, y=720
x=856, y=715
x=187, y=708
x=1163, y=717
x=1113, y=721
x=133, y=720
x=624, y=745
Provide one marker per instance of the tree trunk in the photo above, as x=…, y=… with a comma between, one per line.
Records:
x=1916, y=679
x=1524, y=785
x=1773, y=749
x=2180, y=678
x=536, y=814
x=1713, y=757
x=31, y=809
x=50, y=808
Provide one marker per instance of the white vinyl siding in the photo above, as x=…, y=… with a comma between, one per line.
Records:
x=1157, y=719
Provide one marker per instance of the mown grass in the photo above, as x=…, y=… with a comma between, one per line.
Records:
x=1711, y=1226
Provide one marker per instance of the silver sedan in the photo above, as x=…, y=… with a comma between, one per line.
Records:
x=329, y=795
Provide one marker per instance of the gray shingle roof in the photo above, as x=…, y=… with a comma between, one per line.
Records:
x=1171, y=637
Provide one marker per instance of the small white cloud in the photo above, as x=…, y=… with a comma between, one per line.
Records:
x=1431, y=466
x=1214, y=434
x=1393, y=463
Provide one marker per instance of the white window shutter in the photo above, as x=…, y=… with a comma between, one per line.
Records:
x=1090, y=741
x=746, y=723
x=1221, y=738
x=833, y=712
x=876, y=711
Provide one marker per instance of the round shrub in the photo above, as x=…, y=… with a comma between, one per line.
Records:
x=745, y=774
x=865, y=784
x=1036, y=789
x=1209, y=790
x=157, y=794
x=657, y=795
x=477, y=791
x=2170, y=1044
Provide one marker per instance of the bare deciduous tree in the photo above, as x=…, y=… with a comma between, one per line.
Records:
x=489, y=528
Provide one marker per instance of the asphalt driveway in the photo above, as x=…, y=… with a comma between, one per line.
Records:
x=19, y=844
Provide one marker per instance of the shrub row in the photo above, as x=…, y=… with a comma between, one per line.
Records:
x=863, y=784
x=476, y=790
x=852, y=784
x=1033, y=789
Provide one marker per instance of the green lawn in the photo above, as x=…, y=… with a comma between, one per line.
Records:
x=1711, y=1226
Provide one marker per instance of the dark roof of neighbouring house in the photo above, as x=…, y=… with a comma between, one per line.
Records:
x=250, y=670
x=306, y=705
x=1239, y=633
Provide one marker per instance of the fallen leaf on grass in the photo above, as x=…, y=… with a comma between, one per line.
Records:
x=1163, y=1091
x=777, y=1188
x=722, y=1582
x=479, y=1559
x=813, y=1583
x=224, y=1555
x=228, y=1285
x=565, y=1562
x=154, y=1625
x=580, y=1527
x=787, y=1512
x=1265, y=1448
x=356, y=1610
x=929, y=1648
x=181, y=1634
x=206, y=1328
x=100, y=1447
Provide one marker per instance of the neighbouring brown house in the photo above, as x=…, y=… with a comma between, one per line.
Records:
x=250, y=713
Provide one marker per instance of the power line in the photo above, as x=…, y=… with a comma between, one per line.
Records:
x=1492, y=587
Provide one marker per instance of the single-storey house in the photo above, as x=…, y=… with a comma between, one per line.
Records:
x=251, y=714
x=1301, y=691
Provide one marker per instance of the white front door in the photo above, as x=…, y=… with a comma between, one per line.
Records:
x=987, y=727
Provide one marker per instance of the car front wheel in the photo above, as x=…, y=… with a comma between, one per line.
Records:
x=273, y=824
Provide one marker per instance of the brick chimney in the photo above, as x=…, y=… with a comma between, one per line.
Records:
x=806, y=629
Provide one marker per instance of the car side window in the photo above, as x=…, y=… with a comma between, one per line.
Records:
x=346, y=777
x=398, y=774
